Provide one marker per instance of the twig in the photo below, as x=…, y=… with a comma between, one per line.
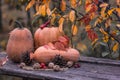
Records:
x=109, y=34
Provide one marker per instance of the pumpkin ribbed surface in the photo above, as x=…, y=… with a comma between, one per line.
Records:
x=20, y=41
x=43, y=54
x=46, y=35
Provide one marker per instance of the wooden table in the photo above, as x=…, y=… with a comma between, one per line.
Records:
x=91, y=69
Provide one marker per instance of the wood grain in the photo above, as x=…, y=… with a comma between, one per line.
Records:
x=91, y=69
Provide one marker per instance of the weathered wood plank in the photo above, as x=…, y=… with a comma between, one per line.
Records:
x=99, y=61
x=89, y=70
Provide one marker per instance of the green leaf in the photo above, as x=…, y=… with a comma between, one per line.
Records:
x=92, y=22
x=36, y=19
x=104, y=54
x=83, y=35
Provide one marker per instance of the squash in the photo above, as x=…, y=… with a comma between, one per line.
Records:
x=46, y=35
x=47, y=53
x=20, y=42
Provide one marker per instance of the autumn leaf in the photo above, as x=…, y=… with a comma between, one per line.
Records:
x=103, y=14
x=48, y=11
x=118, y=11
x=105, y=38
x=87, y=28
x=110, y=11
x=88, y=8
x=72, y=16
x=82, y=47
x=63, y=5
x=59, y=46
x=108, y=23
x=118, y=2
x=103, y=5
x=30, y=4
x=47, y=2
x=99, y=20
x=115, y=47
x=73, y=3
x=43, y=10
x=53, y=16
x=44, y=1
x=88, y=2
x=103, y=31
x=96, y=1
x=37, y=7
x=80, y=2
x=61, y=20
x=39, y=11
x=74, y=29
x=95, y=40
x=92, y=15
x=86, y=19
x=92, y=35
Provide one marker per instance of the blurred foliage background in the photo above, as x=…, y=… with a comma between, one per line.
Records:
x=11, y=10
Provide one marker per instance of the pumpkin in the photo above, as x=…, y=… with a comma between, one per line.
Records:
x=20, y=41
x=47, y=53
x=46, y=35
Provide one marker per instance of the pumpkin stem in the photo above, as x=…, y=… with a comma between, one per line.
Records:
x=45, y=24
x=19, y=24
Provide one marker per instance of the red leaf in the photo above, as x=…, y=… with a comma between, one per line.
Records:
x=64, y=40
x=96, y=1
x=92, y=35
x=59, y=46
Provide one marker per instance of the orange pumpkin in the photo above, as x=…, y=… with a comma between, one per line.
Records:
x=20, y=41
x=47, y=53
x=46, y=35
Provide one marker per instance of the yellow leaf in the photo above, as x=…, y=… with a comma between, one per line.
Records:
x=80, y=2
x=53, y=16
x=37, y=7
x=99, y=20
x=48, y=11
x=108, y=23
x=103, y=14
x=63, y=5
x=115, y=47
x=43, y=10
x=88, y=8
x=87, y=28
x=102, y=31
x=47, y=3
x=39, y=11
x=44, y=1
x=93, y=42
x=104, y=5
x=118, y=25
x=61, y=20
x=118, y=11
x=106, y=38
x=30, y=4
x=118, y=2
x=110, y=11
x=82, y=47
x=73, y=3
x=72, y=16
x=88, y=1
x=92, y=15
x=74, y=29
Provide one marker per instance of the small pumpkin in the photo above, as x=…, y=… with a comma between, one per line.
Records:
x=47, y=54
x=20, y=41
x=46, y=35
